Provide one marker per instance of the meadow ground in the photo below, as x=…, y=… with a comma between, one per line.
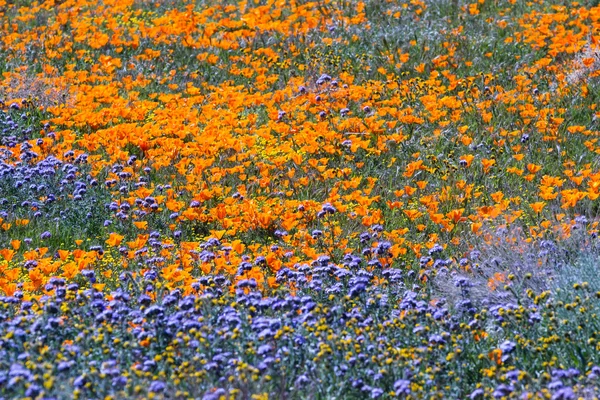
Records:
x=290, y=199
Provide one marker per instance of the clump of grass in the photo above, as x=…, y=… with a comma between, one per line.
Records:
x=41, y=91
x=506, y=266
x=586, y=65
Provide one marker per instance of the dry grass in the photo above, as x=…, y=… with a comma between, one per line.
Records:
x=506, y=265
x=586, y=65
x=43, y=92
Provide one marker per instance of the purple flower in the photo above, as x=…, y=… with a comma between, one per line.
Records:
x=594, y=373
x=260, y=260
x=436, y=249
x=80, y=381
x=157, y=386
x=503, y=390
x=144, y=299
x=119, y=382
x=564, y=394
x=323, y=78
x=45, y=235
x=302, y=380
x=508, y=347
x=555, y=384
x=264, y=349
x=33, y=391
x=402, y=386
x=329, y=209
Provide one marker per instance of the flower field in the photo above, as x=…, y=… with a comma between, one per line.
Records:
x=294, y=199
